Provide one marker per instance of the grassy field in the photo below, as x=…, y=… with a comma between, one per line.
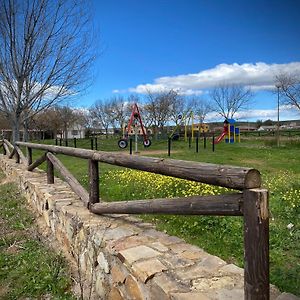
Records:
x=221, y=236
x=28, y=269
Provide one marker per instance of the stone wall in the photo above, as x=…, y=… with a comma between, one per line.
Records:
x=123, y=257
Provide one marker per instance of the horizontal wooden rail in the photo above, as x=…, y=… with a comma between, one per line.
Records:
x=221, y=205
x=221, y=175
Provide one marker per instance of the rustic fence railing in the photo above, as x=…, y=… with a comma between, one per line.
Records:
x=250, y=201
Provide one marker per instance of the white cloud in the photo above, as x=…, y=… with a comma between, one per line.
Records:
x=260, y=76
x=285, y=113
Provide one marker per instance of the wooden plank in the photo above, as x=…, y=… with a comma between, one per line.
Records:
x=38, y=162
x=220, y=175
x=94, y=181
x=69, y=178
x=256, y=243
x=222, y=205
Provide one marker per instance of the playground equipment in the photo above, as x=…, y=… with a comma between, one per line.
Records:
x=135, y=118
x=231, y=133
x=182, y=120
x=195, y=127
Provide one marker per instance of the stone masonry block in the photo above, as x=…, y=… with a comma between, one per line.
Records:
x=189, y=296
x=145, y=270
x=133, y=288
x=134, y=254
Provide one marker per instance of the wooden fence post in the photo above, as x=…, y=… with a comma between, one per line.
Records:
x=50, y=172
x=256, y=243
x=94, y=181
x=29, y=156
x=96, y=143
x=92, y=143
x=17, y=157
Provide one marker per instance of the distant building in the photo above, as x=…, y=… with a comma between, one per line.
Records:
x=76, y=131
x=267, y=128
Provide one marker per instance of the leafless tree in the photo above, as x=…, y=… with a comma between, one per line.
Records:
x=157, y=107
x=177, y=107
x=201, y=107
x=119, y=111
x=289, y=88
x=45, y=54
x=228, y=99
x=101, y=113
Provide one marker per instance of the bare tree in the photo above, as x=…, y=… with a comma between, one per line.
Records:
x=44, y=55
x=119, y=111
x=101, y=114
x=228, y=99
x=201, y=107
x=177, y=106
x=67, y=117
x=289, y=87
x=157, y=107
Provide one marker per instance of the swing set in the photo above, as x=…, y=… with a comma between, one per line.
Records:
x=135, y=118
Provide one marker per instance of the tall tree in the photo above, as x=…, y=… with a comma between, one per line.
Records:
x=119, y=111
x=228, y=99
x=101, y=114
x=45, y=52
x=68, y=117
x=201, y=107
x=157, y=107
x=177, y=106
x=289, y=87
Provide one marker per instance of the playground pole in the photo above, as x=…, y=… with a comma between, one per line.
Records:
x=192, y=114
x=234, y=137
x=136, y=141
x=130, y=146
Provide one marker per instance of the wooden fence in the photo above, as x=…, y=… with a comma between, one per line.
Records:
x=250, y=201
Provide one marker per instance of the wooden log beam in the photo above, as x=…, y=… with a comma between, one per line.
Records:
x=221, y=175
x=29, y=156
x=38, y=162
x=50, y=172
x=94, y=181
x=12, y=153
x=222, y=205
x=8, y=143
x=21, y=155
x=69, y=178
x=6, y=149
x=256, y=243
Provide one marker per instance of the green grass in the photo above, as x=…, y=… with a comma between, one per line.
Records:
x=222, y=236
x=28, y=269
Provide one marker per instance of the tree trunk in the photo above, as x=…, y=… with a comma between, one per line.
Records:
x=16, y=130
x=26, y=133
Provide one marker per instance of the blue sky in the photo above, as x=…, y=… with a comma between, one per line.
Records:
x=192, y=45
